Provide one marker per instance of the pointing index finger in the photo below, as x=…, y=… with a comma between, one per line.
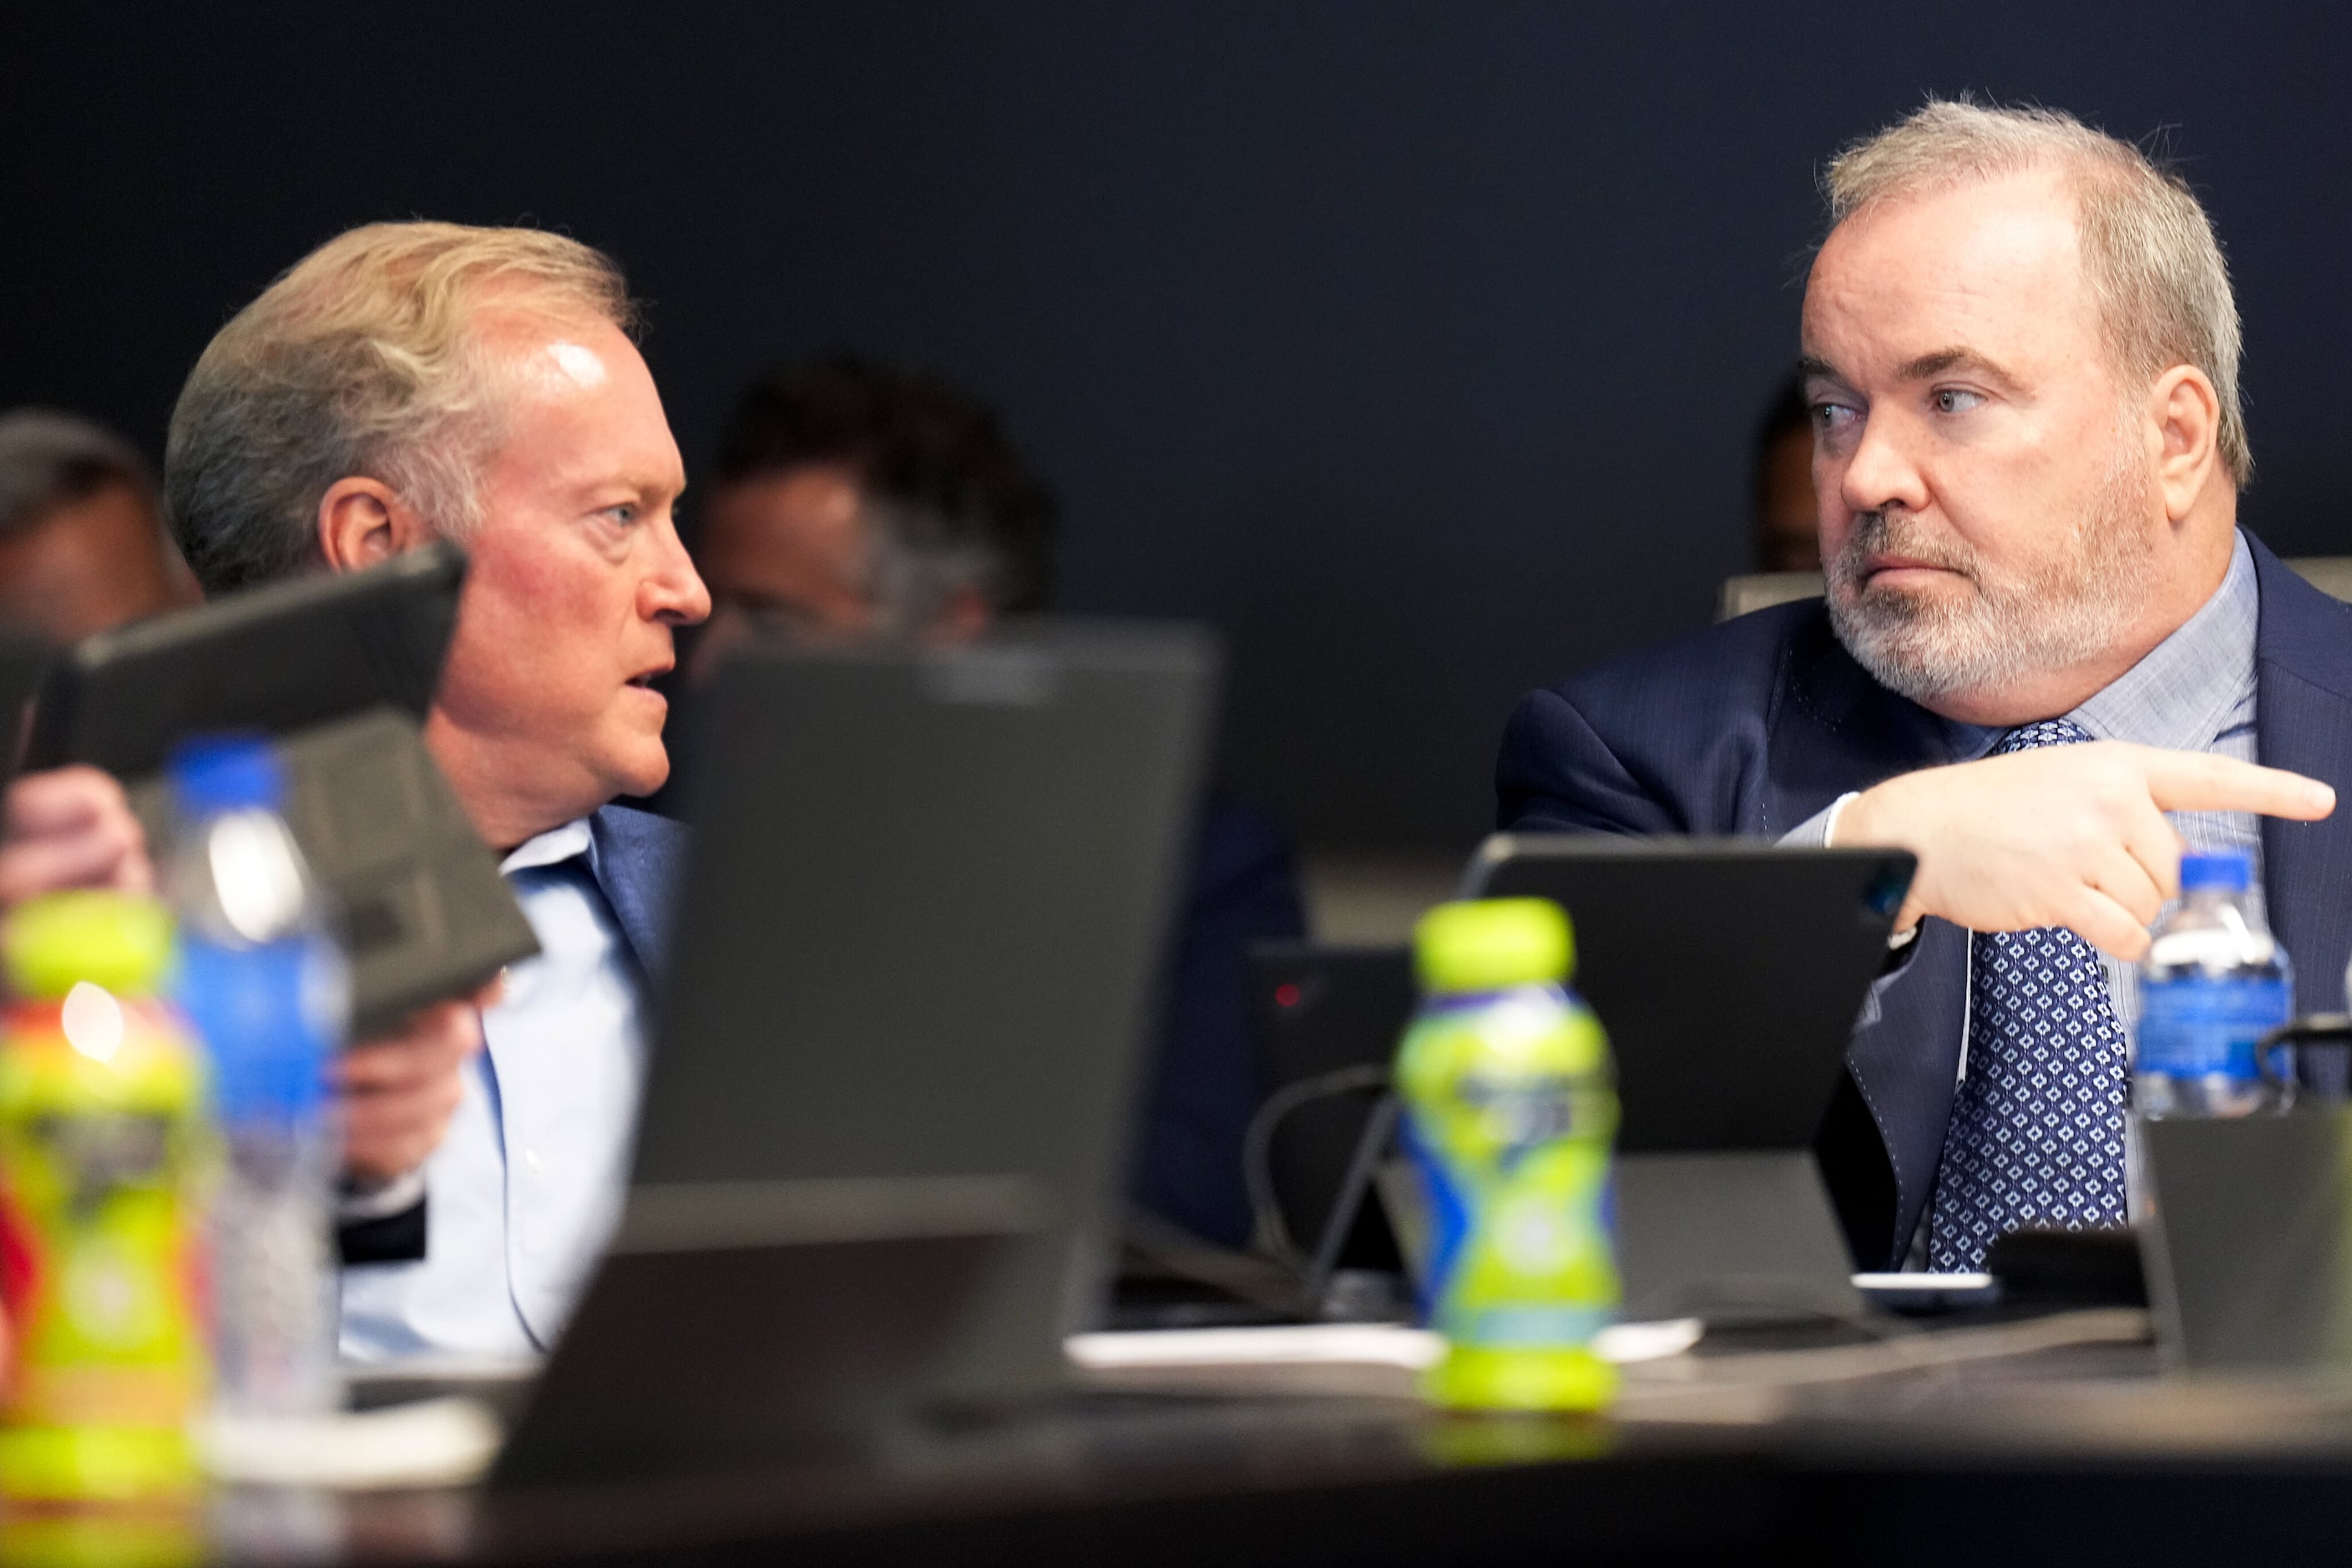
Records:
x=2198, y=781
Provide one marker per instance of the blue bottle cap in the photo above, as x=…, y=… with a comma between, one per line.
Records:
x=2231, y=870
x=213, y=774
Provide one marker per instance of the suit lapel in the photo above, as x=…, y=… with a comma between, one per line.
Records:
x=1905, y=1061
x=1835, y=729
x=2302, y=722
x=638, y=857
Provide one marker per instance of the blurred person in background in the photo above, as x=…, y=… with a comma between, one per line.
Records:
x=853, y=499
x=856, y=499
x=82, y=543
x=82, y=549
x=1781, y=484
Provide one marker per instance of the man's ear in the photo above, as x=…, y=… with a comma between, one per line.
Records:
x=361, y=523
x=2188, y=417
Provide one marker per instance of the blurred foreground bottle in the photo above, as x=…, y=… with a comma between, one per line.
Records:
x=102, y=1148
x=153, y=1533
x=1510, y=1108
x=2213, y=983
x=265, y=988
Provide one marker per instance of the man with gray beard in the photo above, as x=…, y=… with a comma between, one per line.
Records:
x=2048, y=660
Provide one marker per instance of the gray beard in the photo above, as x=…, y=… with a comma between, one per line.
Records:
x=2061, y=613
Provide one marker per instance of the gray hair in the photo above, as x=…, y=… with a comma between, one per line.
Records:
x=50, y=460
x=366, y=358
x=2148, y=249
x=917, y=560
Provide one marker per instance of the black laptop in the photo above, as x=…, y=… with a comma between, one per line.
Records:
x=1729, y=974
x=920, y=938
x=746, y=1324
x=882, y=1145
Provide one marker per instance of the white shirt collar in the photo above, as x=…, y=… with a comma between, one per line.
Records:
x=552, y=847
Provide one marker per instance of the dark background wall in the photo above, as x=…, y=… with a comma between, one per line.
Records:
x=1416, y=345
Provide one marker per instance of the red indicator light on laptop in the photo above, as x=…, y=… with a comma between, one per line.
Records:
x=1286, y=993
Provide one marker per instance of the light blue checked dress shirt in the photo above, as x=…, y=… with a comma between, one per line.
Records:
x=2193, y=692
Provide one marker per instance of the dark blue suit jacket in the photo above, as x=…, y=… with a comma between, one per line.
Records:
x=1755, y=725
x=1201, y=1085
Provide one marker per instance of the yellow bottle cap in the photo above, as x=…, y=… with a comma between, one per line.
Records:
x=1488, y=945
x=120, y=941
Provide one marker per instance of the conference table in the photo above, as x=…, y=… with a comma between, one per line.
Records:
x=2006, y=1438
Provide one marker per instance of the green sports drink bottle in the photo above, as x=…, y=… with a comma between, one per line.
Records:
x=1510, y=1109
x=102, y=1152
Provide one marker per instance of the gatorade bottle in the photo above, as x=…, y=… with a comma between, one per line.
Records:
x=102, y=1145
x=1510, y=1107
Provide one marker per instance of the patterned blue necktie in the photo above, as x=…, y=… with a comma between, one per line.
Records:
x=2037, y=1131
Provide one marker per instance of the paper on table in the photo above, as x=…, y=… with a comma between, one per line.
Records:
x=1375, y=1344
x=429, y=1442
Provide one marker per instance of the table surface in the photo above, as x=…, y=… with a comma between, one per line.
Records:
x=2028, y=1440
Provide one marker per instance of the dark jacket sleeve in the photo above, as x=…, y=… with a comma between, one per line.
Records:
x=1555, y=775
x=1202, y=1087
x=386, y=1238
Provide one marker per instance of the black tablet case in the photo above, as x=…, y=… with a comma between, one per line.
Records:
x=340, y=672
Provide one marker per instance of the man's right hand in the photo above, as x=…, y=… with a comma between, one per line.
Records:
x=2063, y=835
x=399, y=1092
x=70, y=828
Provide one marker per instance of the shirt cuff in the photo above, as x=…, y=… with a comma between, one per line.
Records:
x=1813, y=833
x=360, y=1201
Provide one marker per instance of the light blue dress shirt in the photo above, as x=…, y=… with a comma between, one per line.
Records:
x=524, y=1191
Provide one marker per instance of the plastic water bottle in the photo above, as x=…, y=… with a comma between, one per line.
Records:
x=1511, y=1106
x=2213, y=983
x=103, y=1147
x=265, y=985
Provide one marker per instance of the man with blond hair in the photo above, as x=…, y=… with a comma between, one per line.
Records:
x=2047, y=658
x=416, y=381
